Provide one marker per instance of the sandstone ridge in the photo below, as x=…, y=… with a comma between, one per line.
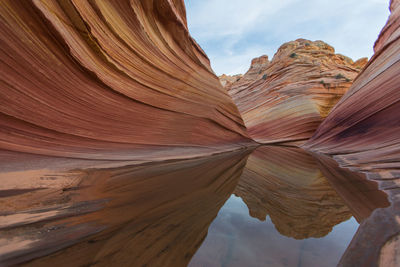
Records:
x=109, y=80
x=285, y=99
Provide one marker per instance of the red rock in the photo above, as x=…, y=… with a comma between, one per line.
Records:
x=365, y=124
x=227, y=80
x=109, y=79
x=286, y=99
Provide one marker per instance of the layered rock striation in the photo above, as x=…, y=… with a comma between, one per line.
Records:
x=109, y=79
x=285, y=99
x=228, y=80
x=365, y=124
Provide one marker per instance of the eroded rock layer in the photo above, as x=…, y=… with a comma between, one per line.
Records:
x=228, y=80
x=365, y=124
x=109, y=79
x=284, y=100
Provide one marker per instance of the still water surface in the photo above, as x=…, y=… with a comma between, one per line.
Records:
x=237, y=239
x=275, y=206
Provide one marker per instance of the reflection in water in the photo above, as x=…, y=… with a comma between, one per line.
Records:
x=235, y=239
x=286, y=184
x=159, y=214
x=295, y=190
x=154, y=215
x=362, y=197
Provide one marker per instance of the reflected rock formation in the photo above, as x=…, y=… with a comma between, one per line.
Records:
x=361, y=195
x=302, y=196
x=286, y=184
x=142, y=215
x=109, y=80
x=74, y=212
x=284, y=100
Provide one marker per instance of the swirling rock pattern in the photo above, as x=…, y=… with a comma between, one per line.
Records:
x=109, y=79
x=284, y=100
x=228, y=80
x=365, y=124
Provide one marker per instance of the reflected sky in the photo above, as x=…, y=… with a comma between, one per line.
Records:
x=237, y=239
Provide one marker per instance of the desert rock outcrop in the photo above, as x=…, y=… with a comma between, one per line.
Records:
x=365, y=124
x=284, y=100
x=109, y=79
x=228, y=80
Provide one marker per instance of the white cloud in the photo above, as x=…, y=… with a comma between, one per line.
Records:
x=211, y=18
x=232, y=32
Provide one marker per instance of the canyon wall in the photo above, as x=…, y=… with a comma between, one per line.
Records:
x=284, y=100
x=109, y=79
x=365, y=124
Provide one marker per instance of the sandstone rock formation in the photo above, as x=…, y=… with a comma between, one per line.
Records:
x=109, y=79
x=365, y=124
x=228, y=80
x=284, y=100
x=123, y=80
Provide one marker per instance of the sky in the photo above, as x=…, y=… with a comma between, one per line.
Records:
x=233, y=32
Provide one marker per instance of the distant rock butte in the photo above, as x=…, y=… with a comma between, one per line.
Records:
x=284, y=100
x=109, y=79
x=227, y=80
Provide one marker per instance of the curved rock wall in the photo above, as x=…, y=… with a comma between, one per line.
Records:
x=286, y=99
x=366, y=122
x=109, y=79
